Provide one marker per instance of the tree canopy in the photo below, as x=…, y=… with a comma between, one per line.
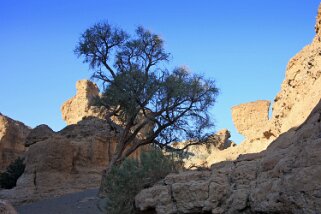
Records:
x=140, y=90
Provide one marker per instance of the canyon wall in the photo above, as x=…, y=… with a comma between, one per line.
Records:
x=284, y=178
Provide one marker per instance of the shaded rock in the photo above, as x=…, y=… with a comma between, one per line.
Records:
x=221, y=140
x=6, y=208
x=286, y=178
x=67, y=161
x=40, y=133
x=300, y=93
x=198, y=154
x=12, y=137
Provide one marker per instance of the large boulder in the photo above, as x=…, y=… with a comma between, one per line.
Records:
x=12, y=138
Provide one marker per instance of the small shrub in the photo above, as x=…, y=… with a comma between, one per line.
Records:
x=125, y=181
x=8, y=179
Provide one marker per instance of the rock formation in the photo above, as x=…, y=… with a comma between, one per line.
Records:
x=81, y=105
x=198, y=155
x=285, y=178
x=250, y=119
x=300, y=92
x=12, y=138
x=66, y=161
x=40, y=133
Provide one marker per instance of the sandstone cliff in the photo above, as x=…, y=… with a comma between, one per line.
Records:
x=285, y=178
x=12, y=139
x=66, y=161
x=300, y=92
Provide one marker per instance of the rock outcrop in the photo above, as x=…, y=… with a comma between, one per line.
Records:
x=300, y=93
x=39, y=133
x=81, y=105
x=284, y=178
x=66, y=161
x=12, y=139
x=199, y=155
x=250, y=119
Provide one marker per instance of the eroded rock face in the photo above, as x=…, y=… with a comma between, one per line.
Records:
x=286, y=178
x=39, y=133
x=67, y=161
x=12, y=137
x=250, y=119
x=300, y=93
x=199, y=154
x=81, y=105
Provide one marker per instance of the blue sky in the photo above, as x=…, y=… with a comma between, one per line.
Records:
x=243, y=45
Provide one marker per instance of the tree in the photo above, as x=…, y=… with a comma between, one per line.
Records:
x=139, y=90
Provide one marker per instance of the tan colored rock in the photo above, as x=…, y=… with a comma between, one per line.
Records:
x=12, y=137
x=300, y=93
x=199, y=155
x=39, y=133
x=80, y=106
x=250, y=119
x=68, y=161
x=286, y=177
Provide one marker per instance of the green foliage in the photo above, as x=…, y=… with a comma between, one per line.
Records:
x=133, y=71
x=126, y=180
x=8, y=179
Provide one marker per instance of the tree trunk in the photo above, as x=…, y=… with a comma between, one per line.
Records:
x=103, y=187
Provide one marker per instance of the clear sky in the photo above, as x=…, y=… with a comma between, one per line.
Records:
x=244, y=45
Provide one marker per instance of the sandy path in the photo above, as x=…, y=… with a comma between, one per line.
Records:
x=75, y=203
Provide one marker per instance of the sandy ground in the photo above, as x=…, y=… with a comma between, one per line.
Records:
x=76, y=203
